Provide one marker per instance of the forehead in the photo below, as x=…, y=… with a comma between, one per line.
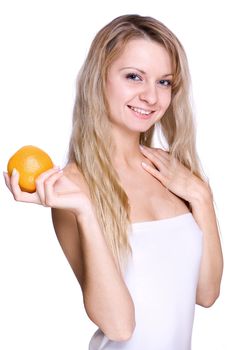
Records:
x=144, y=54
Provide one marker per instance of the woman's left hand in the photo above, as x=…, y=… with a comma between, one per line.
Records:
x=173, y=174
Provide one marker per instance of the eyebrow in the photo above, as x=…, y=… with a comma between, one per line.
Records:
x=142, y=71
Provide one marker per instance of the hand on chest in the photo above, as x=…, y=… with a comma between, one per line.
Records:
x=148, y=198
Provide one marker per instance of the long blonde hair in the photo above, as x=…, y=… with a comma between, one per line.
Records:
x=90, y=142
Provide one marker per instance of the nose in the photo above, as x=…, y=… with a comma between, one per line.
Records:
x=149, y=94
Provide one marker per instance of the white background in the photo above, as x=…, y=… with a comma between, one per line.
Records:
x=43, y=44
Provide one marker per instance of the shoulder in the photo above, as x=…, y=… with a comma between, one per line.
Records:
x=74, y=173
x=62, y=217
x=72, y=169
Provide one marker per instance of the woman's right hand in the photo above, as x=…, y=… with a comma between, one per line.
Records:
x=55, y=189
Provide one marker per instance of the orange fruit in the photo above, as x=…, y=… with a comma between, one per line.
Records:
x=30, y=162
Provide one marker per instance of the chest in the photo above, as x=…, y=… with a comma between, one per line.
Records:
x=149, y=199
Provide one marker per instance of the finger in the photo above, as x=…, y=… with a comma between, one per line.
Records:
x=14, y=183
x=7, y=180
x=153, y=157
x=39, y=181
x=50, y=194
x=153, y=171
x=163, y=153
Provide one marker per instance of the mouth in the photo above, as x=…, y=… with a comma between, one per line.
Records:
x=141, y=113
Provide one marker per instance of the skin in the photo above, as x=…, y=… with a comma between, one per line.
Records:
x=148, y=175
x=146, y=86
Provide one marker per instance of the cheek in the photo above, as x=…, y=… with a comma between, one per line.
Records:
x=166, y=100
x=113, y=93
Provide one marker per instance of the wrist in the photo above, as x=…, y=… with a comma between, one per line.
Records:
x=200, y=193
x=86, y=215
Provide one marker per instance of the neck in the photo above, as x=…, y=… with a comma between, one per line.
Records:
x=126, y=152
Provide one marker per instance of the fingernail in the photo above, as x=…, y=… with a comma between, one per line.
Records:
x=141, y=147
x=144, y=164
x=4, y=175
x=14, y=172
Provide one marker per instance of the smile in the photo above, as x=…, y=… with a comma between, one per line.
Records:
x=140, y=110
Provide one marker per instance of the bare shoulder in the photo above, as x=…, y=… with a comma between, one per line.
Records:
x=75, y=174
x=72, y=170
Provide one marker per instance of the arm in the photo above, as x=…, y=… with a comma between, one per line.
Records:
x=211, y=269
x=106, y=298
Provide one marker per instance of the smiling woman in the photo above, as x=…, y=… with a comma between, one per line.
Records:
x=136, y=86
x=137, y=224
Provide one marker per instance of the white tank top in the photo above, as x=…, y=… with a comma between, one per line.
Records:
x=162, y=278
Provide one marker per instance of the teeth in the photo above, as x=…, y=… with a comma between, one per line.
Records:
x=139, y=110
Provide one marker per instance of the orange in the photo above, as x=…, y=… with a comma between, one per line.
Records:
x=30, y=162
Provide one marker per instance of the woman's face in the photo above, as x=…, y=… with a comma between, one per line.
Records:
x=138, y=86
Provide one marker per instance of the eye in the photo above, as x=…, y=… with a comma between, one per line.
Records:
x=165, y=83
x=133, y=76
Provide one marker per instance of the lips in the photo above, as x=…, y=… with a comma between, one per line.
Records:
x=141, y=113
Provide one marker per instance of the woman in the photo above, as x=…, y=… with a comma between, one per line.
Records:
x=136, y=223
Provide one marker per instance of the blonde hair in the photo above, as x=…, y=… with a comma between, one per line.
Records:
x=90, y=143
